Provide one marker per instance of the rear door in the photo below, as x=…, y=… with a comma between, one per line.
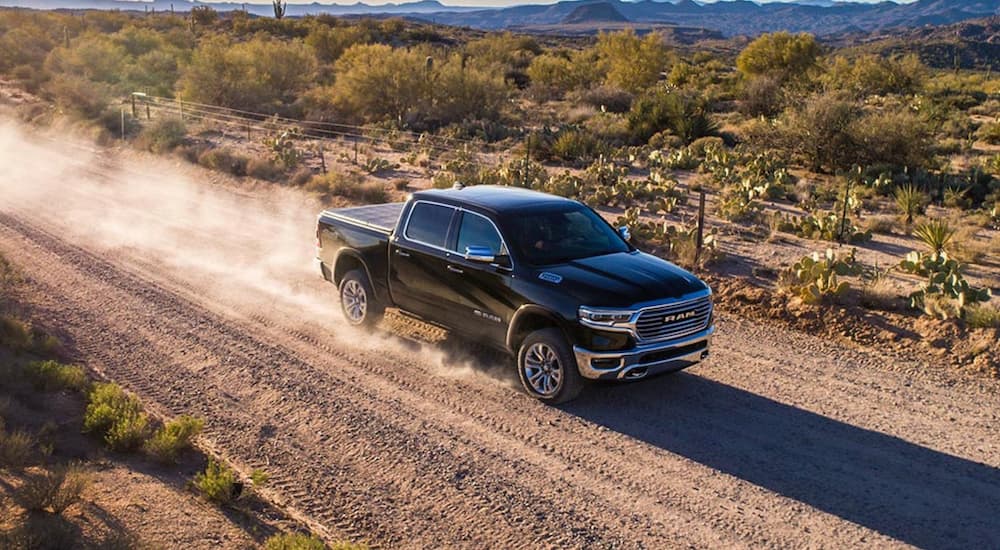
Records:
x=419, y=262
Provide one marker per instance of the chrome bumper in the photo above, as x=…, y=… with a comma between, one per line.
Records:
x=645, y=360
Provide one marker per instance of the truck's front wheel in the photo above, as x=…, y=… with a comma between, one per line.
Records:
x=547, y=367
x=357, y=300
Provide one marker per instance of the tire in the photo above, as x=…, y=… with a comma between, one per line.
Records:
x=547, y=367
x=357, y=300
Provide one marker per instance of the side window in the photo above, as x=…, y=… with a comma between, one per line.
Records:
x=429, y=223
x=477, y=231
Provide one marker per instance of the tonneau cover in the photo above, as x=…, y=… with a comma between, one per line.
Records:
x=382, y=217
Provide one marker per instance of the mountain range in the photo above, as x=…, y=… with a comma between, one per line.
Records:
x=728, y=17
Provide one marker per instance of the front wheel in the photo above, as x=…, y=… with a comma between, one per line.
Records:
x=547, y=367
x=357, y=300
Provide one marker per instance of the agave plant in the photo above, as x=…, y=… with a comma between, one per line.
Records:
x=910, y=201
x=935, y=234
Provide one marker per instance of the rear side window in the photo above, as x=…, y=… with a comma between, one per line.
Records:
x=429, y=223
x=477, y=231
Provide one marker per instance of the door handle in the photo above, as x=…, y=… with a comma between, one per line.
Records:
x=403, y=253
x=455, y=269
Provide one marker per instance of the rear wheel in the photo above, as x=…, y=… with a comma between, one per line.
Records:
x=357, y=300
x=547, y=367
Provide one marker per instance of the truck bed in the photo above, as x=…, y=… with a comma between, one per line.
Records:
x=380, y=217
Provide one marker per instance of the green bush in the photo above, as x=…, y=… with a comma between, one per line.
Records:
x=631, y=62
x=945, y=292
x=683, y=113
x=872, y=74
x=163, y=134
x=781, y=55
x=116, y=417
x=575, y=145
x=815, y=278
x=293, y=541
x=217, y=483
x=52, y=376
x=173, y=438
x=605, y=98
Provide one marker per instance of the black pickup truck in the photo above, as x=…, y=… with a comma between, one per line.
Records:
x=541, y=277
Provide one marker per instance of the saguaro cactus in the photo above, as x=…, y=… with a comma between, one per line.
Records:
x=279, y=8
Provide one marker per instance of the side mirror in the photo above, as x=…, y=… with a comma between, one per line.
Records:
x=625, y=233
x=479, y=254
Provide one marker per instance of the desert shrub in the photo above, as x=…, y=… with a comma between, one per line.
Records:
x=990, y=133
x=260, y=74
x=781, y=55
x=78, y=95
x=173, y=438
x=53, y=490
x=16, y=449
x=574, y=145
x=702, y=145
x=827, y=226
x=265, y=169
x=379, y=165
x=329, y=43
x=896, y=137
x=116, y=417
x=605, y=98
x=877, y=292
x=301, y=176
x=553, y=72
x=820, y=133
x=376, y=82
x=224, y=160
x=815, y=278
x=883, y=224
x=348, y=185
x=630, y=62
x=762, y=96
x=217, y=483
x=15, y=334
x=982, y=316
x=685, y=114
x=294, y=541
x=52, y=376
x=872, y=74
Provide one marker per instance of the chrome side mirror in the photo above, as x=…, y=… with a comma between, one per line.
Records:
x=482, y=254
x=625, y=233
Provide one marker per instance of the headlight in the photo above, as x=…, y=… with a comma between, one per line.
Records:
x=604, y=317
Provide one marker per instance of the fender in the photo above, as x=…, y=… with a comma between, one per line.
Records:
x=351, y=253
x=525, y=311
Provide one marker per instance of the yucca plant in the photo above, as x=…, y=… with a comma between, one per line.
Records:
x=910, y=202
x=935, y=234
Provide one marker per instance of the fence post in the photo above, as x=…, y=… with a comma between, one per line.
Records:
x=133, y=107
x=322, y=158
x=180, y=107
x=847, y=198
x=701, y=227
x=123, y=123
x=148, y=116
x=355, y=150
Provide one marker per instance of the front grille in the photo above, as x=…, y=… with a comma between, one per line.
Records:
x=673, y=321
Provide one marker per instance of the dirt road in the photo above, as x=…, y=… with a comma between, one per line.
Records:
x=203, y=300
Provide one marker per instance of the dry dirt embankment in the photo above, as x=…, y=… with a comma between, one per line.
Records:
x=203, y=300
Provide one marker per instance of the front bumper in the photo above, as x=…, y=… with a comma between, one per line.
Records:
x=644, y=360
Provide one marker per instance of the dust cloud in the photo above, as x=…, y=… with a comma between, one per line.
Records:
x=246, y=249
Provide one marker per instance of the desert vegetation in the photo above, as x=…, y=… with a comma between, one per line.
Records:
x=794, y=143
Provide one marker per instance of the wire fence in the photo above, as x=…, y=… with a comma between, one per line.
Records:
x=325, y=136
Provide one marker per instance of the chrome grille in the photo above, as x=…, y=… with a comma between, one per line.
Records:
x=657, y=323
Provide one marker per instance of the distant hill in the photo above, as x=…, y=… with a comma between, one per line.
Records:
x=731, y=17
x=973, y=44
x=601, y=12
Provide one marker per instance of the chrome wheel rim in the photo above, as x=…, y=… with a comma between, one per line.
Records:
x=355, y=301
x=542, y=369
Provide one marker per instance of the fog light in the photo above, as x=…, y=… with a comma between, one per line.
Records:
x=605, y=363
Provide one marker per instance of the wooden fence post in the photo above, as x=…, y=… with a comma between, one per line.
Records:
x=701, y=227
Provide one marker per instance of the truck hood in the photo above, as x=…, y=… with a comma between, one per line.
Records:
x=623, y=279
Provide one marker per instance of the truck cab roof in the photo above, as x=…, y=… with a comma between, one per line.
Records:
x=493, y=198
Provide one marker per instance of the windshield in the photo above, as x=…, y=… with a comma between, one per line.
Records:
x=554, y=237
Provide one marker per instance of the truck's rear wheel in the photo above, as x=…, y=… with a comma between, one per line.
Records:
x=547, y=367
x=357, y=300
